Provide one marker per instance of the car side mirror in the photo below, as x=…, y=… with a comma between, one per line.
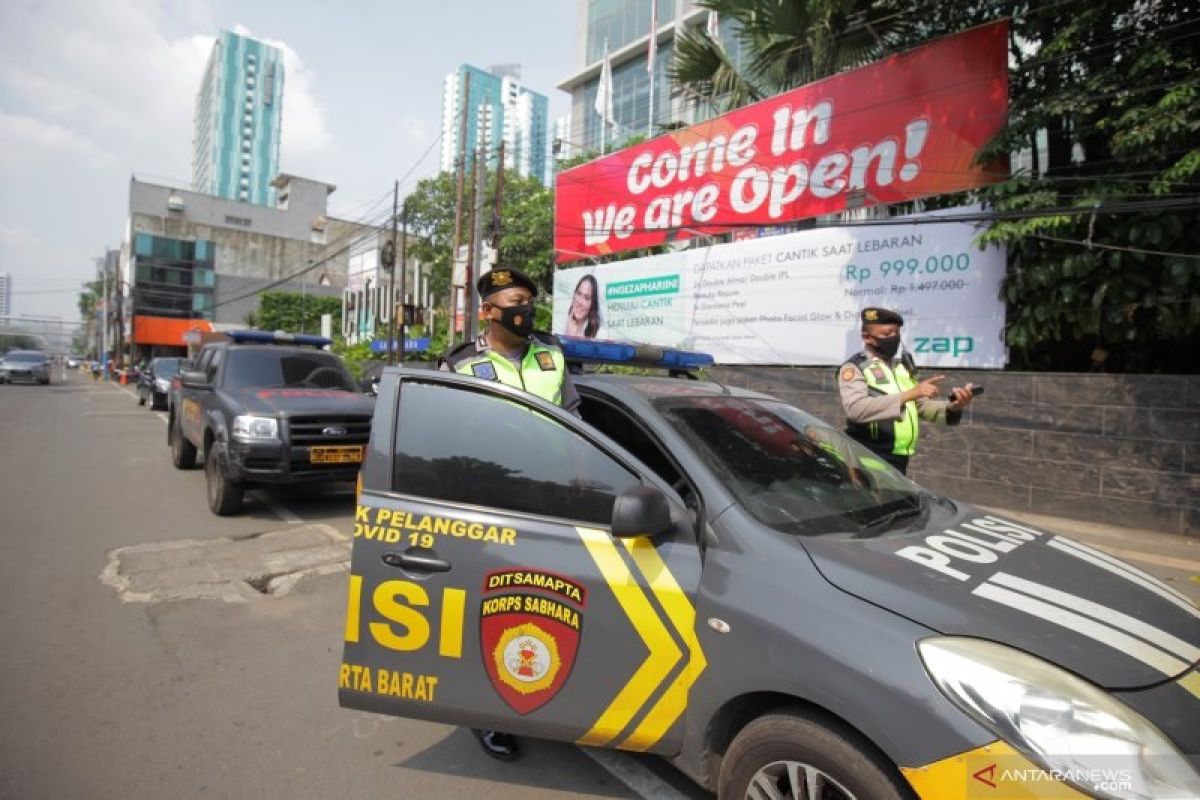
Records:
x=194, y=379
x=640, y=511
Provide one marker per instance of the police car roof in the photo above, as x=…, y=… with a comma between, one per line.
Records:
x=653, y=388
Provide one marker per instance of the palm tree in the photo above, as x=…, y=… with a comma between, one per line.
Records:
x=784, y=44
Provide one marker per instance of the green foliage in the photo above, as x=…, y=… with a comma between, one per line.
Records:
x=19, y=341
x=295, y=312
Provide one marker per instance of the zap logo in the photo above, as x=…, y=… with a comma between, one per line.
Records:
x=530, y=623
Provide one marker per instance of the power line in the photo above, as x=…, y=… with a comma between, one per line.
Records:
x=1090, y=245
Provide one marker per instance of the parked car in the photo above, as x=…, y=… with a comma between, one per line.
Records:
x=73, y=361
x=154, y=382
x=27, y=366
x=267, y=408
x=713, y=575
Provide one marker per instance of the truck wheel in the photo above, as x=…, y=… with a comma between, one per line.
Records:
x=183, y=452
x=224, y=493
x=789, y=754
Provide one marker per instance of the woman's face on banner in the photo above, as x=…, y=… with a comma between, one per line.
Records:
x=581, y=302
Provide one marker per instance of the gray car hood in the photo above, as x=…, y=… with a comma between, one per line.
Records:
x=982, y=575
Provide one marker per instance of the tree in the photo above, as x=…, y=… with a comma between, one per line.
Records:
x=295, y=312
x=526, y=225
x=785, y=44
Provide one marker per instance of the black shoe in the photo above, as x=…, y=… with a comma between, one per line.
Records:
x=497, y=744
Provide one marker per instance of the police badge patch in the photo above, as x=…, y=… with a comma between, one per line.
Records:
x=545, y=361
x=485, y=370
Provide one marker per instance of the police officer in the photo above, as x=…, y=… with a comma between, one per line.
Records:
x=882, y=397
x=510, y=351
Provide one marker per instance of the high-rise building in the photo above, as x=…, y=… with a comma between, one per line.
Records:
x=499, y=109
x=6, y=293
x=625, y=26
x=239, y=111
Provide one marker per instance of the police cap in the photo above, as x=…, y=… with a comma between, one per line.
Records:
x=499, y=279
x=881, y=316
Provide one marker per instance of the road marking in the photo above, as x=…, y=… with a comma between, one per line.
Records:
x=162, y=415
x=636, y=776
x=277, y=509
x=1117, y=640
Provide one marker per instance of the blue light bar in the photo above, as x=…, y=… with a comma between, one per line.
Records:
x=602, y=351
x=277, y=337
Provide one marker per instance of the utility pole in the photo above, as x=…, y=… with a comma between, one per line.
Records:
x=392, y=276
x=475, y=263
x=496, y=232
x=458, y=199
x=403, y=278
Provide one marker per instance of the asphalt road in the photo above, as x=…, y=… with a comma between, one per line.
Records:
x=197, y=698
x=103, y=698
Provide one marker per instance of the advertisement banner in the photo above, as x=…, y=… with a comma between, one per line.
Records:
x=905, y=127
x=795, y=299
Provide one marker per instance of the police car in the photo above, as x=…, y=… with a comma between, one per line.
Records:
x=712, y=575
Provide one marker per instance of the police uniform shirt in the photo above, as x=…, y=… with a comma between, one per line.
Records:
x=863, y=406
x=570, y=396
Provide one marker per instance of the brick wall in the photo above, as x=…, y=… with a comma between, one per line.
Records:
x=1119, y=449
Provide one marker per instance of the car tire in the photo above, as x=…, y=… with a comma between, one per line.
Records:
x=141, y=399
x=224, y=493
x=183, y=452
x=779, y=749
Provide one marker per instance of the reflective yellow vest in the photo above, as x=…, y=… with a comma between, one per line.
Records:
x=542, y=371
x=898, y=437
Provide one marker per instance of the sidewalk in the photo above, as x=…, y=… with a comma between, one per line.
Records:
x=1169, y=557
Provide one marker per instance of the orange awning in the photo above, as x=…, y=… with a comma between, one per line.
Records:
x=166, y=330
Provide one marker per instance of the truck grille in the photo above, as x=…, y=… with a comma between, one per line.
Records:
x=309, y=431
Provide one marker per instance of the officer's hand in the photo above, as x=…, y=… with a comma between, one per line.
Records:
x=926, y=389
x=961, y=396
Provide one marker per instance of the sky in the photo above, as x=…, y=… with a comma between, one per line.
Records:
x=92, y=93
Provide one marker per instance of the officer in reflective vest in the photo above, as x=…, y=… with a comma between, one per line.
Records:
x=883, y=400
x=510, y=351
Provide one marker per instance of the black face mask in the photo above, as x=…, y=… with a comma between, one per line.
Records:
x=887, y=346
x=517, y=320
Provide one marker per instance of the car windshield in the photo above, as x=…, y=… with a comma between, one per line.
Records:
x=270, y=367
x=24, y=357
x=166, y=367
x=791, y=471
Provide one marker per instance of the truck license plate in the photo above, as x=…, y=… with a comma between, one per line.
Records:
x=336, y=455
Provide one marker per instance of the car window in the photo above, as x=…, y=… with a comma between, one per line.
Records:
x=26, y=358
x=315, y=369
x=464, y=446
x=203, y=360
x=165, y=368
x=214, y=364
x=788, y=469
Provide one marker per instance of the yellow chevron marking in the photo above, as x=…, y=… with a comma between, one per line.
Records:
x=663, y=652
x=673, y=702
x=1191, y=683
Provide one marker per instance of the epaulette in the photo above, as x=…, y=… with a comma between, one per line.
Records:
x=545, y=337
x=858, y=359
x=458, y=353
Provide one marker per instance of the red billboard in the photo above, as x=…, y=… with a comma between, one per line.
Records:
x=905, y=127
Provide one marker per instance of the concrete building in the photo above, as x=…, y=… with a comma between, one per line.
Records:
x=625, y=25
x=6, y=289
x=194, y=260
x=239, y=112
x=499, y=109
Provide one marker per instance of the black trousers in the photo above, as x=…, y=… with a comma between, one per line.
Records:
x=899, y=462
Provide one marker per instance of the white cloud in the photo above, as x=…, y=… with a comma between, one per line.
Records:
x=28, y=143
x=305, y=130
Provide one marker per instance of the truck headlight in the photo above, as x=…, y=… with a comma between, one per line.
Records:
x=249, y=428
x=1075, y=731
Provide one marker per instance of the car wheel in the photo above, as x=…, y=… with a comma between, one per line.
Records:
x=791, y=754
x=224, y=493
x=141, y=399
x=183, y=452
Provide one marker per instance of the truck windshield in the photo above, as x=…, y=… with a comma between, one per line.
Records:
x=791, y=471
x=271, y=367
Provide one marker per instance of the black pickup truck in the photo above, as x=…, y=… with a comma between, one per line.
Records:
x=267, y=408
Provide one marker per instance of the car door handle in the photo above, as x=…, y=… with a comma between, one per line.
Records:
x=416, y=562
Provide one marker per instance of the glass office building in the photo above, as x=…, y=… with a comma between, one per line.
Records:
x=172, y=277
x=499, y=109
x=239, y=110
